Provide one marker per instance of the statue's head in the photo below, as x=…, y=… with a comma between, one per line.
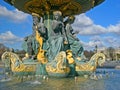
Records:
x=36, y=18
x=71, y=19
x=41, y=28
x=57, y=14
x=26, y=38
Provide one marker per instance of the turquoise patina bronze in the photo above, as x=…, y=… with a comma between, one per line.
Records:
x=53, y=48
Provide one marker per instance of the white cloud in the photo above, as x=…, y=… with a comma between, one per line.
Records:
x=112, y=41
x=82, y=20
x=93, y=41
x=101, y=42
x=9, y=38
x=85, y=26
x=12, y=15
x=114, y=28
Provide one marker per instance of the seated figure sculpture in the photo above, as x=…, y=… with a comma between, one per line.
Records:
x=57, y=37
x=41, y=37
x=73, y=41
x=30, y=45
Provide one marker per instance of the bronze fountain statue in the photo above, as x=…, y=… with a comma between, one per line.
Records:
x=53, y=49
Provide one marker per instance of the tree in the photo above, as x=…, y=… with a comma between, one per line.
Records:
x=20, y=53
x=111, y=53
x=88, y=54
x=3, y=48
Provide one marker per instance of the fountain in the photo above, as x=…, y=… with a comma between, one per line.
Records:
x=53, y=49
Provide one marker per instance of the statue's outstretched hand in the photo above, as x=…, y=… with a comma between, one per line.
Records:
x=36, y=27
x=65, y=42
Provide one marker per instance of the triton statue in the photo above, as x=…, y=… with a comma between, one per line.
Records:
x=53, y=48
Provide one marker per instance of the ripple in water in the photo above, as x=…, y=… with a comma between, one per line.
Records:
x=35, y=82
x=5, y=80
x=109, y=80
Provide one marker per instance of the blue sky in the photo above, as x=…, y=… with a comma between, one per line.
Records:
x=98, y=26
